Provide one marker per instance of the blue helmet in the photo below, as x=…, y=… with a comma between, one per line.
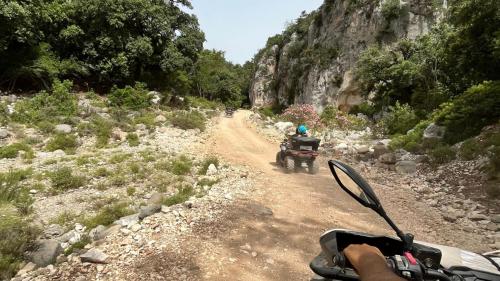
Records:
x=302, y=129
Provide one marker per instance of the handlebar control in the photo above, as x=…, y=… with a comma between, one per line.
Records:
x=406, y=266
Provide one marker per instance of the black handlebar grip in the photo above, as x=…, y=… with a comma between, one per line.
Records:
x=341, y=261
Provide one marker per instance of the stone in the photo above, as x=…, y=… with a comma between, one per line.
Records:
x=46, y=252
x=341, y=146
x=118, y=135
x=26, y=269
x=97, y=232
x=363, y=149
x=61, y=259
x=434, y=131
x=451, y=217
x=212, y=170
x=63, y=129
x=165, y=209
x=4, y=134
x=53, y=231
x=150, y=210
x=141, y=127
x=160, y=119
x=94, y=256
x=136, y=227
x=406, y=167
x=495, y=218
x=283, y=126
x=156, y=199
x=388, y=158
x=128, y=220
x=474, y=216
x=58, y=153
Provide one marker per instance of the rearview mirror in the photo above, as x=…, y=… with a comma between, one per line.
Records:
x=350, y=181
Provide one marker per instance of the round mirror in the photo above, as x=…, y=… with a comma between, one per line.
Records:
x=349, y=184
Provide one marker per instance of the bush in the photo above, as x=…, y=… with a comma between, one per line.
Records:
x=102, y=128
x=331, y=117
x=119, y=158
x=17, y=236
x=102, y=172
x=4, y=114
x=203, y=103
x=391, y=9
x=133, y=139
x=400, y=119
x=364, y=108
x=84, y=240
x=47, y=106
x=302, y=114
x=412, y=139
x=442, y=154
x=207, y=182
x=146, y=118
x=131, y=191
x=108, y=215
x=12, y=151
x=470, y=149
x=68, y=143
x=134, y=98
x=466, y=115
x=63, y=179
x=180, y=197
x=12, y=192
x=188, y=120
x=271, y=111
x=207, y=162
x=181, y=166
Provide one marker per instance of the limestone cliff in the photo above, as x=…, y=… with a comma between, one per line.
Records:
x=314, y=60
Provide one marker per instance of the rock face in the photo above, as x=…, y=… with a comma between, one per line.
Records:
x=434, y=131
x=63, y=129
x=46, y=253
x=316, y=66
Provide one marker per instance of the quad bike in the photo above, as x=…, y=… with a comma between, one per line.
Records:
x=229, y=112
x=297, y=152
x=409, y=260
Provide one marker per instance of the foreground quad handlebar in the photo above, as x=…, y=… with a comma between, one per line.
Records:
x=404, y=266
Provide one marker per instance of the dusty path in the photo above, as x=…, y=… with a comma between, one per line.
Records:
x=277, y=246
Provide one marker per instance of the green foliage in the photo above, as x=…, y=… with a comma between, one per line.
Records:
x=364, y=108
x=134, y=98
x=203, y=103
x=84, y=240
x=133, y=139
x=400, y=119
x=217, y=79
x=207, y=182
x=108, y=214
x=63, y=179
x=98, y=42
x=180, y=197
x=331, y=117
x=467, y=114
x=391, y=9
x=271, y=111
x=17, y=237
x=207, y=162
x=188, y=120
x=4, y=114
x=47, y=106
x=119, y=158
x=102, y=129
x=102, y=172
x=131, y=191
x=181, y=166
x=12, y=190
x=442, y=154
x=470, y=149
x=411, y=141
x=12, y=151
x=68, y=143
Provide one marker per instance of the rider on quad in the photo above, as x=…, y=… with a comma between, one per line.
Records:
x=301, y=131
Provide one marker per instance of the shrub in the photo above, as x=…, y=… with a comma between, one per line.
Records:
x=400, y=119
x=4, y=113
x=84, y=240
x=207, y=162
x=68, y=143
x=331, y=117
x=271, y=111
x=102, y=172
x=302, y=114
x=207, y=182
x=102, y=128
x=134, y=168
x=133, y=139
x=131, y=191
x=47, y=106
x=119, y=158
x=442, y=154
x=203, y=103
x=470, y=149
x=364, y=108
x=63, y=179
x=181, y=166
x=412, y=138
x=134, y=98
x=108, y=214
x=180, y=197
x=188, y=120
x=17, y=237
x=45, y=127
x=466, y=115
x=11, y=190
x=146, y=118
x=391, y=9
x=12, y=151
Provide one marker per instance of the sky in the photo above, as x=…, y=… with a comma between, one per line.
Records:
x=241, y=27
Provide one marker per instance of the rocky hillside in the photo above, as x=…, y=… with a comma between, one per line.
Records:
x=312, y=62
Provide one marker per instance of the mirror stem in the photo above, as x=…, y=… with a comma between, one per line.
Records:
x=406, y=238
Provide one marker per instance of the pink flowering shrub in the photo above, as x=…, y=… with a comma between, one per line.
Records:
x=302, y=114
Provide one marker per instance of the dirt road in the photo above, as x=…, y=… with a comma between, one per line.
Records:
x=274, y=234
